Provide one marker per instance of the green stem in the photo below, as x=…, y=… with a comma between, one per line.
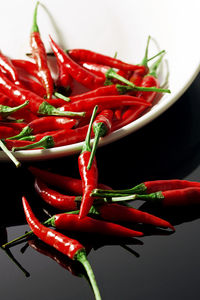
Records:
x=112, y=74
x=138, y=189
x=61, y=96
x=9, y=154
x=86, y=145
x=26, y=131
x=154, y=67
x=46, y=142
x=48, y=109
x=34, y=25
x=7, y=110
x=145, y=59
x=81, y=257
x=100, y=130
x=158, y=54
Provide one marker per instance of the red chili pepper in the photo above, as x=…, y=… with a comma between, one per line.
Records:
x=99, y=70
x=80, y=74
x=56, y=199
x=70, y=247
x=101, y=127
x=6, y=111
x=68, y=184
x=149, y=80
x=27, y=66
x=18, y=126
x=94, y=57
x=56, y=139
x=44, y=124
x=40, y=57
x=6, y=132
x=72, y=222
x=119, y=213
x=7, y=67
x=104, y=102
x=179, y=197
x=32, y=85
x=10, y=144
x=89, y=176
x=36, y=104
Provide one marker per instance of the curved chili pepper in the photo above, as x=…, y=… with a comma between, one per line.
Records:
x=89, y=176
x=40, y=57
x=70, y=247
x=104, y=102
x=119, y=213
x=7, y=67
x=150, y=80
x=175, y=197
x=44, y=124
x=32, y=85
x=36, y=104
x=80, y=74
x=68, y=184
x=55, y=199
x=94, y=57
x=6, y=132
x=72, y=222
x=27, y=66
x=101, y=127
x=5, y=110
x=56, y=139
x=108, y=90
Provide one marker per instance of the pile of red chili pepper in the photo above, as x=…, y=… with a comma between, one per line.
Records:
x=40, y=111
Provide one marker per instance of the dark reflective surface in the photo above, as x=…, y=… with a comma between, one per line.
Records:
x=160, y=265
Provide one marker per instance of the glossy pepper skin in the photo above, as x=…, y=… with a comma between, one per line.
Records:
x=54, y=198
x=73, y=223
x=94, y=57
x=80, y=74
x=117, y=213
x=66, y=183
x=70, y=247
x=89, y=176
x=40, y=57
x=8, y=68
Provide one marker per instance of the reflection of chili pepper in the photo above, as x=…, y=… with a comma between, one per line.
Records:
x=55, y=199
x=40, y=57
x=119, y=213
x=89, y=176
x=179, y=197
x=70, y=247
x=44, y=124
x=62, y=260
x=36, y=104
x=72, y=222
x=101, y=127
x=80, y=74
x=90, y=56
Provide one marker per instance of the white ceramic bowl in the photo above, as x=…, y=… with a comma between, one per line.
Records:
x=110, y=26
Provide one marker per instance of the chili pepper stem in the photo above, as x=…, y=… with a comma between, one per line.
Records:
x=82, y=258
x=35, y=26
x=61, y=96
x=94, y=146
x=6, y=110
x=26, y=131
x=86, y=145
x=46, y=142
x=144, y=61
x=48, y=109
x=158, y=54
x=112, y=74
x=9, y=154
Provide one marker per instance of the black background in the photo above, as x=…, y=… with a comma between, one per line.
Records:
x=162, y=265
